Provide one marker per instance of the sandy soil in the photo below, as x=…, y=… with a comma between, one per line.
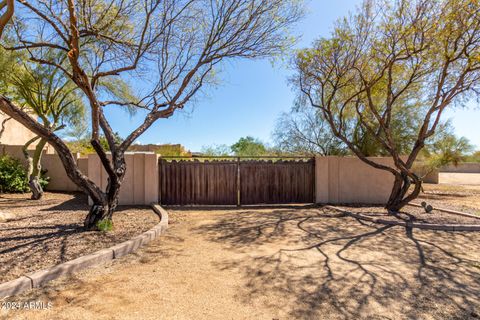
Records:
x=413, y=214
x=276, y=264
x=460, y=194
x=48, y=232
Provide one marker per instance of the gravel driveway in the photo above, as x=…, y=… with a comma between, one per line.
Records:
x=278, y=263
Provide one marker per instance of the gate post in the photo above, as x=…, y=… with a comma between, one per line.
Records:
x=239, y=200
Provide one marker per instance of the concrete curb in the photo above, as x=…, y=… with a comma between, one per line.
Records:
x=469, y=215
x=418, y=225
x=39, y=278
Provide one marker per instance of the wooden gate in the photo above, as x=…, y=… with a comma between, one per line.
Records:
x=277, y=182
x=236, y=181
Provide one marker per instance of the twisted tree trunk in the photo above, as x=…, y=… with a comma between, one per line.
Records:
x=34, y=180
x=400, y=196
x=3, y=126
x=102, y=210
x=34, y=167
x=68, y=160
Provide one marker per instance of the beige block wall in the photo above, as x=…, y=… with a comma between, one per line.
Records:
x=15, y=133
x=140, y=186
x=433, y=177
x=338, y=179
x=59, y=181
x=13, y=151
x=466, y=167
x=421, y=170
x=350, y=180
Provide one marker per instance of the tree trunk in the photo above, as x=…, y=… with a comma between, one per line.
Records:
x=3, y=126
x=34, y=179
x=399, y=197
x=35, y=187
x=104, y=203
x=102, y=211
x=98, y=212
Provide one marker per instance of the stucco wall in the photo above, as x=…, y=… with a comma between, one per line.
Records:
x=421, y=170
x=15, y=133
x=140, y=186
x=338, y=179
x=350, y=180
x=467, y=167
x=59, y=181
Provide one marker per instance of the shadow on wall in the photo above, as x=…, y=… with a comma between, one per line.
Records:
x=314, y=264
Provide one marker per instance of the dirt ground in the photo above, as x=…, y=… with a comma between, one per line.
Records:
x=278, y=263
x=458, y=191
x=413, y=214
x=47, y=232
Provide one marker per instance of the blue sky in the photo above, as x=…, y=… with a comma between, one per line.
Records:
x=254, y=93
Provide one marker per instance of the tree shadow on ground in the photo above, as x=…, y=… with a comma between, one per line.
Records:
x=77, y=289
x=318, y=264
x=79, y=202
x=53, y=233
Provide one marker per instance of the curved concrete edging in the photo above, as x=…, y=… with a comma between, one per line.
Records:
x=413, y=204
x=39, y=278
x=419, y=225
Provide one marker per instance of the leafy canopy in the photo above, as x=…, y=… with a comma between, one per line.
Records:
x=249, y=146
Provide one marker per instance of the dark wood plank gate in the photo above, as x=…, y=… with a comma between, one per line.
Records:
x=236, y=182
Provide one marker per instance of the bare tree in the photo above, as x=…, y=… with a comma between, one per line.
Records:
x=421, y=56
x=172, y=47
x=304, y=131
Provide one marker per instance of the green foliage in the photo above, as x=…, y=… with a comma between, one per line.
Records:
x=172, y=150
x=379, y=87
x=84, y=146
x=445, y=148
x=303, y=131
x=474, y=157
x=8, y=67
x=249, y=146
x=44, y=91
x=217, y=150
x=121, y=90
x=44, y=179
x=13, y=176
x=105, y=225
x=244, y=147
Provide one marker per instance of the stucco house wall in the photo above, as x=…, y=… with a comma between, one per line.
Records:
x=15, y=133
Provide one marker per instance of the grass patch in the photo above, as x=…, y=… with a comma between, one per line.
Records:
x=105, y=225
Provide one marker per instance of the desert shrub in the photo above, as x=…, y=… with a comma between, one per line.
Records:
x=14, y=176
x=44, y=180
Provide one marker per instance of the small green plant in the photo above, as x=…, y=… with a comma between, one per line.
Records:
x=13, y=176
x=105, y=225
x=44, y=180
